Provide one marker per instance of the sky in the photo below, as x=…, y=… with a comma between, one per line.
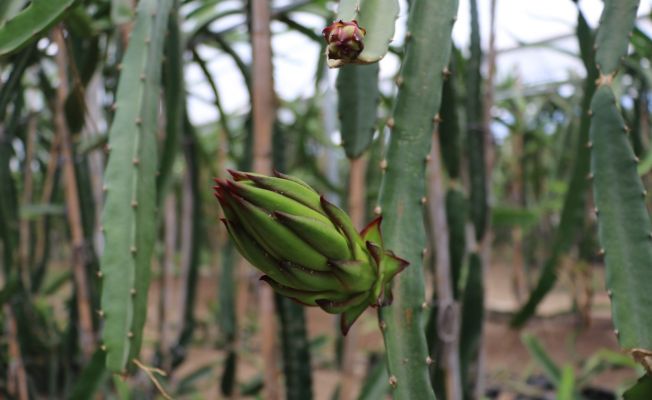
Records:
x=517, y=22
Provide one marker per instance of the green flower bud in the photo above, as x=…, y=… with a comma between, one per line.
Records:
x=307, y=248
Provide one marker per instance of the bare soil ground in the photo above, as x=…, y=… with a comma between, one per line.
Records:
x=565, y=335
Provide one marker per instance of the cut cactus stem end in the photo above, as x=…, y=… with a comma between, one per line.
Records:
x=306, y=247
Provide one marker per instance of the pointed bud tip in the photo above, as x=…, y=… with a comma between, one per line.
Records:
x=375, y=223
x=238, y=175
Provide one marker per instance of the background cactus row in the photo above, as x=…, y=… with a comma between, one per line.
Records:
x=117, y=279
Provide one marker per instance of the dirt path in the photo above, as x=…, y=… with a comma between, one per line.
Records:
x=508, y=362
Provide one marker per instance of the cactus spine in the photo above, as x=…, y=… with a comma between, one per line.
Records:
x=625, y=231
x=402, y=190
x=129, y=215
x=29, y=23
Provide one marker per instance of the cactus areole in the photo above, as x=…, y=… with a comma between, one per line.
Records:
x=345, y=41
x=307, y=248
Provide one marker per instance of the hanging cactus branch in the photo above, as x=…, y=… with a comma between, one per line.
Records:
x=307, y=247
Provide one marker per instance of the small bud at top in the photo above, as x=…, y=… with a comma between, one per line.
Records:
x=345, y=40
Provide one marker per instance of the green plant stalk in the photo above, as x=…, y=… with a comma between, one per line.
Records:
x=471, y=325
x=566, y=388
x=563, y=379
x=129, y=215
x=403, y=187
x=11, y=86
x=624, y=223
x=449, y=127
x=174, y=91
x=292, y=318
x=28, y=24
x=9, y=207
x=194, y=236
x=541, y=357
x=7, y=204
x=478, y=201
x=226, y=317
x=296, y=350
x=358, y=97
x=87, y=206
x=375, y=385
x=378, y=18
x=572, y=216
x=91, y=378
x=456, y=217
x=625, y=230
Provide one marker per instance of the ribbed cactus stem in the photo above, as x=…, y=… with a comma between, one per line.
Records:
x=403, y=188
x=129, y=215
x=625, y=230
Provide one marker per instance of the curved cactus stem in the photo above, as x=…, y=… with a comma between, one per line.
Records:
x=129, y=215
x=625, y=230
x=27, y=25
x=378, y=18
x=624, y=223
x=402, y=189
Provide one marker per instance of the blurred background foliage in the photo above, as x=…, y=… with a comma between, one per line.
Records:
x=202, y=327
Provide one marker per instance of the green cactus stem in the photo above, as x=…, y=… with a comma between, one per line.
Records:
x=129, y=215
x=403, y=187
x=476, y=146
x=28, y=24
x=449, y=126
x=625, y=230
x=358, y=96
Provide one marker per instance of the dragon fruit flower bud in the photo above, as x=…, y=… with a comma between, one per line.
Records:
x=306, y=247
x=345, y=40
